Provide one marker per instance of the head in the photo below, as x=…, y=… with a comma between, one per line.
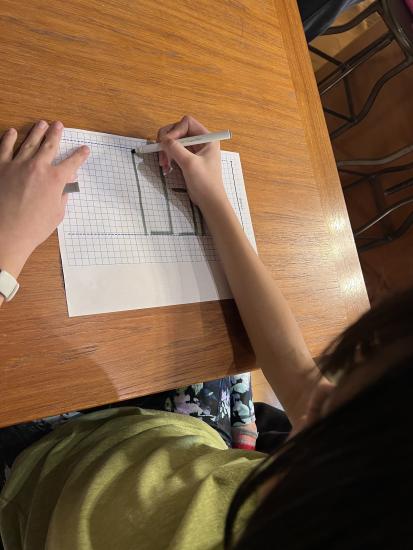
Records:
x=345, y=480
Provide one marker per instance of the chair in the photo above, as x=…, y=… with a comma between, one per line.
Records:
x=397, y=15
x=367, y=242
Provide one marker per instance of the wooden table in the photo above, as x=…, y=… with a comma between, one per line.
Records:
x=127, y=68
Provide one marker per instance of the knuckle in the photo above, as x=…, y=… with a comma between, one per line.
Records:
x=164, y=131
x=47, y=145
x=27, y=145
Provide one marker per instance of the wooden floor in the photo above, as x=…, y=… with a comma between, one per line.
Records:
x=388, y=127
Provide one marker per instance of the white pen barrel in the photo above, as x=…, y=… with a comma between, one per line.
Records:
x=187, y=141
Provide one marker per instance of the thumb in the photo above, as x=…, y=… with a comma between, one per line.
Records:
x=177, y=152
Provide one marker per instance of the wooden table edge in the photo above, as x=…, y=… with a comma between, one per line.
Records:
x=350, y=277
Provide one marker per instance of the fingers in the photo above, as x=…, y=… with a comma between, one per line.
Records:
x=31, y=144
x=164, y=130
x=50, y=146
x=71, y=165
x=187, y=126
x=177, y=152
x=7, y=144
x=176, y=131
x=163, y=159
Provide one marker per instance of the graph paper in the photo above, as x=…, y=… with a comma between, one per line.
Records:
x=130, y=226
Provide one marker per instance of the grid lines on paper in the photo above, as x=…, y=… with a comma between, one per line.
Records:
x=126, y=212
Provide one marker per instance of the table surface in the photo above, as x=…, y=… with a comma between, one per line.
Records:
x=128, y=68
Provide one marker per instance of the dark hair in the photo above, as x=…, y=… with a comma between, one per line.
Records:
x=346, y=481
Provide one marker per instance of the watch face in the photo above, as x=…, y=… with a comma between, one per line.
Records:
x=8, y=285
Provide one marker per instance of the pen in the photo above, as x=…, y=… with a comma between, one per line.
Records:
x=73, y=187
x=186, y=142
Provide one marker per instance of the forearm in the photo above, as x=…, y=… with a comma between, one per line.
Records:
x=273, y=331
x=277, y=341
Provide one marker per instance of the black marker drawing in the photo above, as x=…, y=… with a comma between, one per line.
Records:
x=132, y=214
x=139, y=193
x=168, y=207
x=236, y=195
x=197, y=220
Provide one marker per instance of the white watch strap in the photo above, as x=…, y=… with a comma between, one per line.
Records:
x=8, y=285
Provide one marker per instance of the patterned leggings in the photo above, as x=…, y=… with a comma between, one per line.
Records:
x=225, y=404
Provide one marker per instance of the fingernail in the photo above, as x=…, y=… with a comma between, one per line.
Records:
x=11, y=130
x=42, y=124
x=85, y=149
x=58, y=125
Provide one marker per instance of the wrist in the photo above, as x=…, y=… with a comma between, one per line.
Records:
x=214, y=203
x=12, y=261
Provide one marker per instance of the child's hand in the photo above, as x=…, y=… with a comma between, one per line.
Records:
x=31, y=187
x=200, y=164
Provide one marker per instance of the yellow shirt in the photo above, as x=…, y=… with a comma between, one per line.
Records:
x=122, y=479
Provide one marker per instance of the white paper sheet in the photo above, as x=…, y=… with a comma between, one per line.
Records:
x=131, y=238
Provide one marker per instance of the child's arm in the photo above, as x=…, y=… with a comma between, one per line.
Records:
x=273, y=331
x=31, y=187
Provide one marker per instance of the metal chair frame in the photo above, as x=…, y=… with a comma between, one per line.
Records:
x=390, y=237
x=395, y=16
x=373, y=178
x=405, y=184
x=345, y=68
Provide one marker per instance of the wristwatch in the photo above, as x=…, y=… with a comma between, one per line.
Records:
x=8, y=285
